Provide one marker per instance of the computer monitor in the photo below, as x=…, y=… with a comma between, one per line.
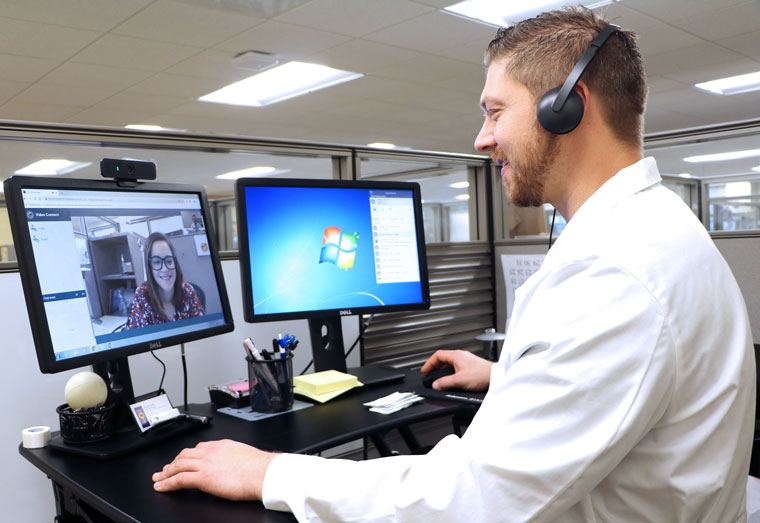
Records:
x=111, y=271
x=323, y=249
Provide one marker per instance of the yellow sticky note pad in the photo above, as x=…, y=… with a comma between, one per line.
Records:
x=319, y=383
x=321, y=398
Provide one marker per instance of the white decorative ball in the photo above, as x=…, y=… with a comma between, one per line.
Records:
x=85, y=390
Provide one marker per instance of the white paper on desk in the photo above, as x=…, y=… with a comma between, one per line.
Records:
x=517, y=269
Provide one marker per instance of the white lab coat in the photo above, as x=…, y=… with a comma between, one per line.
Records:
x=624, y=392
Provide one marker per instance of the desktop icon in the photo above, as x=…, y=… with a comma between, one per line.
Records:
x=338, y=248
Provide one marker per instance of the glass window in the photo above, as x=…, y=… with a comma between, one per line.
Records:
x=446, y=193
x=189, y=164
x=725, y=164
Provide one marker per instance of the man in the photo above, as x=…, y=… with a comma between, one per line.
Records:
x=625, y=388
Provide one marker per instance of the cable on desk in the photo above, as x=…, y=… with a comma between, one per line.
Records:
x=163, y=374
x=184, y=370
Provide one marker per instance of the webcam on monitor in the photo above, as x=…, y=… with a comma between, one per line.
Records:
x=121, y=169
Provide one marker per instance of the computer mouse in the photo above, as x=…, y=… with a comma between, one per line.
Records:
x=430, y=377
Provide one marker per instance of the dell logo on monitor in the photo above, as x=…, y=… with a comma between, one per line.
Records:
x=346, y=312
x=155, y=345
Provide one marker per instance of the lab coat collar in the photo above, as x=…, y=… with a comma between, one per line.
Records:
x=593, y=213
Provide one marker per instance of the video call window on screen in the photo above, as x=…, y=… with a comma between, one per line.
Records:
x=118, y=268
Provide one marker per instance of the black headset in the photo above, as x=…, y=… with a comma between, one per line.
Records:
x=560, y=110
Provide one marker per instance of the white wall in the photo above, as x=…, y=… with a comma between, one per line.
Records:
x=32, y=397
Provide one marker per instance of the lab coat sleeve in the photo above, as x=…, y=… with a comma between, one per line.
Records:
x=587, y=370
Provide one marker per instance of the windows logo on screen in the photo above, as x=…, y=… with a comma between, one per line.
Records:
x=338, y=248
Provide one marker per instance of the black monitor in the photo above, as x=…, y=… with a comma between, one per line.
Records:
x=323, y=249
x=88, y=252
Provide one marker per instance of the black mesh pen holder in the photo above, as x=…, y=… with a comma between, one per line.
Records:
x=86, y=425
x=271, y=383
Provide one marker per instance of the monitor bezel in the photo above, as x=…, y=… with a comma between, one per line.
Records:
x=245, y=260
x=30, y=277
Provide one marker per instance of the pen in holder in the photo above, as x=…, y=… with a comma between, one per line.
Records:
x=271, y=383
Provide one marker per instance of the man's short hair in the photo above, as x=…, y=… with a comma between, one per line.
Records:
x=542, y=51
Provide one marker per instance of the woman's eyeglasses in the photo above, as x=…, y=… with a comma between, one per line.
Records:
x=156, y=262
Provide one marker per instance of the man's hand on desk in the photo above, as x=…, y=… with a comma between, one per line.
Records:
x=227, y=469
x=471, y=372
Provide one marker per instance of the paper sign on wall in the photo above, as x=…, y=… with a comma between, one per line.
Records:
x=517, y=269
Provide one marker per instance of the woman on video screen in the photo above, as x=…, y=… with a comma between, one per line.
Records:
x=164, y=296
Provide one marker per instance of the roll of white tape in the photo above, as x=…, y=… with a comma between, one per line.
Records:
x=35, y=437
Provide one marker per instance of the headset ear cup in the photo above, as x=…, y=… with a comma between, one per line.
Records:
x=566, y=119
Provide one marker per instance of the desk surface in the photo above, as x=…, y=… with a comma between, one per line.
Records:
x=122, y=488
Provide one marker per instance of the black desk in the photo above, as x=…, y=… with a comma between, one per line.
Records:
x=122, y=490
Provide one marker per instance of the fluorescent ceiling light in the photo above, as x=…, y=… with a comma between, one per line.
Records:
x=756, y=169
x=462, y=196
x=459, y=185
x=685, y=175
x=50, y=167
x=381, y=145
x=141, y=127
x=279, y=83
x=732, y=85
x=721, y=157
x=503, y=14
x=251, y=172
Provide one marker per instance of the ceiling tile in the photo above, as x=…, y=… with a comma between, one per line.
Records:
x=181, y=23
x=657, y=120
x=254, y=8
x=95, y=76
x=434, y=32
x=366, y=16
x=67, y=95
x=473, y=52
x=662, y=38
x=134, y=53
x=32, y=39
x=432, y=69
x=621, y=13
x=700, y=55
x=224, y=112
x=108, y=117
x=37, y=112
x=362, y=56
x=704, y=73
x=96, y=15
x=724, y=21
x=175, y=85
x=10, y=88
x=286, y=41
x=470, y=83
x=24, y=68
x=440, y=4
x=672, y=10
x=211, y=64
x=658, y=84
x=747, y=44
x=378, y=110
x=139, y=103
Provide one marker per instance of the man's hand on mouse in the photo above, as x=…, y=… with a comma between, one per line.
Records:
x=471, y=372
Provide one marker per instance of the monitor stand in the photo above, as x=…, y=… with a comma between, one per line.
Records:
x=126, y=437
x=329, y=353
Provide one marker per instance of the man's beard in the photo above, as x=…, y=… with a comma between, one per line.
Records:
x=530, y=168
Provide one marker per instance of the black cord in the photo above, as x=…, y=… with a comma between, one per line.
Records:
x=361, y=333
x=307, y=368
x=184, y=370
x=353, y=345
x=551, y=231
x=163, y=375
